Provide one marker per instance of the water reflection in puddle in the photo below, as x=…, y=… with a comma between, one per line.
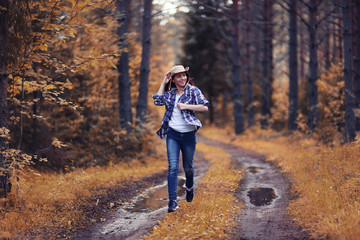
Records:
x=254, y=169
x=261, y=196
x=155, y=198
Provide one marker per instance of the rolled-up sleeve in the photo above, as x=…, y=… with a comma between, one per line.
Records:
x=159, y=100
x=200, y=98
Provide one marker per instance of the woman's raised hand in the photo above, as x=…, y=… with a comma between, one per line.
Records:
x=167, y=77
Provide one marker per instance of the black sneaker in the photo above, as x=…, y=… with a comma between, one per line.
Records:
x=189, y=194
x=173, y=206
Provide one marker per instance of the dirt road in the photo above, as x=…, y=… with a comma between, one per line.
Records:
x=141, y=212
x=263, y=192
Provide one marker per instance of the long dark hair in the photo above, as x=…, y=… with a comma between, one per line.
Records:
x=170, y=85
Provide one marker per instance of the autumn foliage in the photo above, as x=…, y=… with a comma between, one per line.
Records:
x=63, y=84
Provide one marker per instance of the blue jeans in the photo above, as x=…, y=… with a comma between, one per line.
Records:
x=186, y=142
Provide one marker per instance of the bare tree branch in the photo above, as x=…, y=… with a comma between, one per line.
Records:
x=287, y=7
x=326, y=16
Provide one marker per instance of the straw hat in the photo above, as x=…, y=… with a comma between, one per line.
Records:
x=178, y=69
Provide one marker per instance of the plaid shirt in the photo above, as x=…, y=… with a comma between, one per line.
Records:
x=192, y=95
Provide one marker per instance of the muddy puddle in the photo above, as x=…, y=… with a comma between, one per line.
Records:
x=261, y=196
x=255, y=169
x=153, y=198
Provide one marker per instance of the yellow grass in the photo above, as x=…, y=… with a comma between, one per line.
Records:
x=326, y=180
x=212, y=212
x=58, y=200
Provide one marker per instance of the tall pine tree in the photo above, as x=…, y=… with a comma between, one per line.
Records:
x=348, y=74
x=145, y=64
x=293, y=67
x=4, y=37
x=123, y=7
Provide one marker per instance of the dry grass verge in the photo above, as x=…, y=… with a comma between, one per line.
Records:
x=212, y=212
x=61, y=201
x=325, y=180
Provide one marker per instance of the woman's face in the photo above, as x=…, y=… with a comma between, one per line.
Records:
x=180, y=79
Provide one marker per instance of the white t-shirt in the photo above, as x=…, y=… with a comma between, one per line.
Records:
x=177, y=122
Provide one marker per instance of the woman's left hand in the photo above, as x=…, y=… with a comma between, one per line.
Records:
x=181, y=106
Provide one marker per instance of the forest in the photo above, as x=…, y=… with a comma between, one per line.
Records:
x=78, y=123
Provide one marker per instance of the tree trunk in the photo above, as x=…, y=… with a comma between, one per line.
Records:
x=123, y=6
x=5, y=185
x=302, y=47
x=224, y=104
x=349, y=94
x=251, y=108
x=326, y=57
x=293, y=68
x=357, y=62
x=211, y=110
x=327, y=48
x=334, y=57
x=267, y=66
x=270, y=54
x=142, y=103
x=340, y=40
x=313, y=112
x=34, y=138
x=235, y=72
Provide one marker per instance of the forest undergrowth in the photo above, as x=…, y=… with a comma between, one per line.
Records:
x=53, y=205
x=325, y=179
x=212, y=212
